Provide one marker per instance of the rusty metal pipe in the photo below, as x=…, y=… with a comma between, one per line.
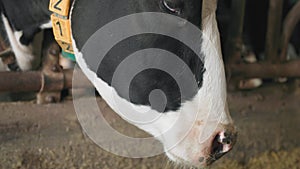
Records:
x=20, y=82
x=81, y=80
x=274, y=30
x=33, y=82
x=234, y=41
x=266, y=70
x=235, y=32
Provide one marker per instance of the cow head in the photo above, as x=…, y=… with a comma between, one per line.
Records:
x=155, y=80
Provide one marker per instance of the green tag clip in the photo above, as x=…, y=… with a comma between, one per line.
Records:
x=68, y=55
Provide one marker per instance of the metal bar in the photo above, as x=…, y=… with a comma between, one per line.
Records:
x=32, y=81
x=235, y=32
x=20, y=82
x=266, y=70
x=290, y=23
x=234, y=41
x=274, y=30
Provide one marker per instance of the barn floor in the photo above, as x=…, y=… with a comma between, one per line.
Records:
x=49, y=136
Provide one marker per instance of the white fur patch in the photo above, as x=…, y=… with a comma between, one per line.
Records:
x=47, y=25
x=24, y=54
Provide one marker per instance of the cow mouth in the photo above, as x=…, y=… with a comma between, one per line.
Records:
x=220, y=144
x=214, y=157
x=180, y=161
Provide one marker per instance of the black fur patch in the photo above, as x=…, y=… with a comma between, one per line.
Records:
x=26, y=16
x=152, y=79
x=88, y=17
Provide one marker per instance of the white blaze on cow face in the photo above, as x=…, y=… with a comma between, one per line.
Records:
x=213, y=119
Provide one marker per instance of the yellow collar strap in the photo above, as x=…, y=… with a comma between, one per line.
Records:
x=61, y=23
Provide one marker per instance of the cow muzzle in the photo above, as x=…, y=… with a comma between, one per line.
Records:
x=222, y=142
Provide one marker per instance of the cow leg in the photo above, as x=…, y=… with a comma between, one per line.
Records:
x=26, y=57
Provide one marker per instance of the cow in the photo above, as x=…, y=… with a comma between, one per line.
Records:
x=24, y=19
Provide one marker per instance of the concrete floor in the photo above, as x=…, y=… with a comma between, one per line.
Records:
x=49, y=136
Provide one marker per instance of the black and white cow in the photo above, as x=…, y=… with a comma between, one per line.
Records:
x=23, y=19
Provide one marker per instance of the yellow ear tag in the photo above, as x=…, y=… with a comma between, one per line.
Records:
x=61, y=24
x=67, y=47
x=60, y=7
x=61, y=29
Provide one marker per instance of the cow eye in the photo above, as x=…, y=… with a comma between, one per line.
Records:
x=173, y=6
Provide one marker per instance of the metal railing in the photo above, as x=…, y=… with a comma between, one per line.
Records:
x=278, y=36
x=51, y=79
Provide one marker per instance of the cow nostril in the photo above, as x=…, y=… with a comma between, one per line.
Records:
x=221, y=144
x=226, y=140
x=217, y=145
